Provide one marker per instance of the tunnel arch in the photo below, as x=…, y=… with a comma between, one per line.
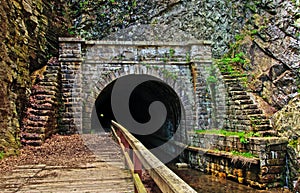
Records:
x=140, y=100
x=180, y=91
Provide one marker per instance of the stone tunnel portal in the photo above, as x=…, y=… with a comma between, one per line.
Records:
x=140, y=99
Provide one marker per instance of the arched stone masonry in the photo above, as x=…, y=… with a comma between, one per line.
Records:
x=89, y=66
x=182, y=86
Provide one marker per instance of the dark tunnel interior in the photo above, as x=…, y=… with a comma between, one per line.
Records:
x=140, y=99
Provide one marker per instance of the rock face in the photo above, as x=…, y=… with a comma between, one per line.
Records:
x=287, y=120
x=287, y=123
x=28, y=35
x=267, y=31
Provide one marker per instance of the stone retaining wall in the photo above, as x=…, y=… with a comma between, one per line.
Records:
x=214, y=154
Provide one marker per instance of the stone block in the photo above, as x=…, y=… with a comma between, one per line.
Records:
x=275, y=162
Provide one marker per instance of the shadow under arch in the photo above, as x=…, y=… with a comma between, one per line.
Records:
x=140, y=100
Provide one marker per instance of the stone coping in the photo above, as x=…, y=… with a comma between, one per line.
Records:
x=261, y=140
x=134, y=43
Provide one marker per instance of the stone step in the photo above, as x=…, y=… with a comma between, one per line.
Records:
x=41, y=112
x=32, y=142
x=261, y=122
x=238, y=117
x=31, y=123
x=242, y=127
x=229, y=80
x=52, y=84
x=244, y=107
x=243, y=102
x=240, y=97
x=262, y=127
x=32, y=136
x=234, y=84
x=257, y=116
x=268, y=133
x=249, y=106
x=236, y=88
x=38, y=118
x=45, y=91
x=234, y=80
x=252, y=111
x=43, y=97
x=234, y=93
x=38, y=101
x=243, y=122
x=34, y=129
x=43, y=106
x=230, y=75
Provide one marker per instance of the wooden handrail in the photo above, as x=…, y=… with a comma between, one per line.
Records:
x=138, y=184
x=164, y=178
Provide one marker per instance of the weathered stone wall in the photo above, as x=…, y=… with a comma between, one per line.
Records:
x=27, y=37
x=89, y=66
x=212, y=153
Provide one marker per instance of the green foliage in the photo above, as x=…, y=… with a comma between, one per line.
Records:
x=212, y=75
x=171, y=53
x=243, y=154
x=242, y=135
x=155, y=67
x=169, y=74
x=243, y=138
x=83, y=3
x=298, y=35
x=1, y=155
x=212, y=79
x=293, y=143
x=239, y=37
x=254, y=32
x=188, y=57
x=134, y=3
x=165, y=59
x=226, y=64
x=71, y=31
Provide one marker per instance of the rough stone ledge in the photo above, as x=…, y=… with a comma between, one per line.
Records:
x=68, y=39
x=144, y=62
x=70, y=59
x=224, y=154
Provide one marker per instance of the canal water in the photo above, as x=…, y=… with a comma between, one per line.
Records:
x=207, y=183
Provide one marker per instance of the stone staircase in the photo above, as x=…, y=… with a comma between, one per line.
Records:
x=243, y=113
x=40, y=120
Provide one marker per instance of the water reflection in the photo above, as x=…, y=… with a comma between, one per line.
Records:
x=210, y=184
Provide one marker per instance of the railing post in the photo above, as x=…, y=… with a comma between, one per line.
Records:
x=138, y=168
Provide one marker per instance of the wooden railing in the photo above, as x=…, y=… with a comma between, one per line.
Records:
x=138, y=157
